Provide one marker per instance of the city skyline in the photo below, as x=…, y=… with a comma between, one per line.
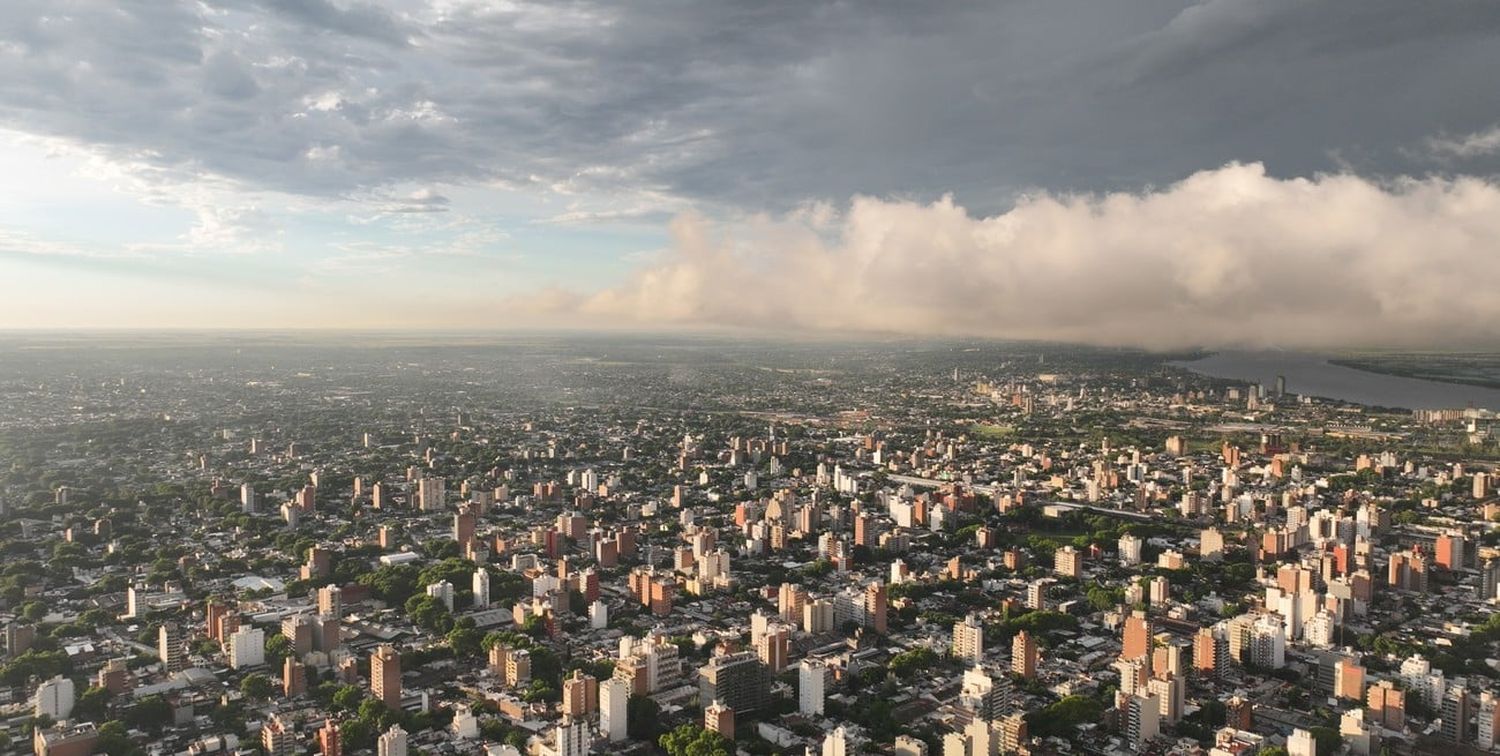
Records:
x=1162, y=174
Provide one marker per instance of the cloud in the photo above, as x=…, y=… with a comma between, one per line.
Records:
x=745, y=106
x=1477, y=144
x=1226, y=257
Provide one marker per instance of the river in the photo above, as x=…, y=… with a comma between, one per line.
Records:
x=1312, y=374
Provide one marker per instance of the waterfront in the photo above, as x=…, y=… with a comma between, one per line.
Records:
x=1312, y=374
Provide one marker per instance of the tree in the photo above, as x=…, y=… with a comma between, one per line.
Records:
x=1063, y=716
x=465, y=641
x=257, y=687
x=348, y=697
x=1327, y=739
x=92, y=705
x=114, y=741
x=908, y=663
x=278, y=648
x=694, y=740
x=429, y=614
x=357, y=734
x=642, y=718
x=392, y=583
x=151, y=713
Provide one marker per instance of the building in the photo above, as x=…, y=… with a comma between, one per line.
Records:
x=1268, y=642
x=1143, y=719
x=812, y=676
x=580, y=695
x=298, y=628
x=968, y=640
x=1137, y=640
x=247, y=648
x=1023, y=655
x=719, y=718
x=442, y=590
x=1210, y=543
x=1488, y=735
x=1013, y=735
x=614, y=695
x=293, y=678
x=1449, y=550
x=465, y=725
x=1210, y=652
x=1068, y=562
x=171, y=646
x=1130, y=550
x=907, y=745
x=516, y=665
x=1171, y=696
x=330, y=742
x=986, y=696
x=481, y=588
x=836, y=743
x=1348, y=680
x=65, y=740
x=980, y=737
x=19, y=637
x=876, y=602
x=570, y=738
x=54, y=698
x=1301, y=743
x=1457, y=710
x=385, y=676
x=739, y=680
x=277, y=738
x=1036, y=593
x=1427, y=684
x=431, y=493
x=773, y=646
x=392, y=742
x=115, y=677
x=1387, y=705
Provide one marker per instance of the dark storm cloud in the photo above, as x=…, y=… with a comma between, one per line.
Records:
x=754, y=105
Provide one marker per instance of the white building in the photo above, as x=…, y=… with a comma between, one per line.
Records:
x=1421, y=680
x=1130, y=550
x=836, y=743
x=1144, y=720
x=54, y=698
x=614, y=695
x=1268, y=642
x=465, y=724
x=571, y=738
x=968, y=640
x=811, y=676
x=442, y=590
x=481, y=588
x=392, y=742
x=247, y=648
x=598, y=615
x=1301, y=743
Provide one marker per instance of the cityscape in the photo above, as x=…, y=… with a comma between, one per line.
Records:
x=560, y=544
x=749, y=378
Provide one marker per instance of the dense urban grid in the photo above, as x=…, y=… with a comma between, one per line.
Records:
x=557, y=545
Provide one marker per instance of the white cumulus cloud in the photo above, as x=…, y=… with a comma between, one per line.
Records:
x=1225, y=257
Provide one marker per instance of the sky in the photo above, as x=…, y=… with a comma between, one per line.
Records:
x=1156, y=173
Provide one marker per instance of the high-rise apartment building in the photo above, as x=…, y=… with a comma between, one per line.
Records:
x=385, y=676
x=171, y=646
x=1023, y=655
x=968, y=640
